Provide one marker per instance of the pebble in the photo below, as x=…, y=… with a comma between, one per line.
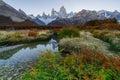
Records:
x=15, y=72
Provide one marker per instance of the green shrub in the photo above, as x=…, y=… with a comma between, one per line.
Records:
x=110, y=36
x=99, y=22
x=68, y=32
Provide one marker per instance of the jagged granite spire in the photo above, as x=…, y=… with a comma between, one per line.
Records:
x=52, y=12
x=63, y=10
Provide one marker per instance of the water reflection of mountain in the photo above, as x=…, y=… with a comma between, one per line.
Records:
x=28, y=54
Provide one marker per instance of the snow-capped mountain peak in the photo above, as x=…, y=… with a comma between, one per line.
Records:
x=47, y=18
x=62, y=11
x=110, y=14
x=83, y=14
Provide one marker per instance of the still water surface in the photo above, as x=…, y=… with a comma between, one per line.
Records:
x=21, y=54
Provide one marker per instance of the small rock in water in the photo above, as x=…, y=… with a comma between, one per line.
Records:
x=9, y=78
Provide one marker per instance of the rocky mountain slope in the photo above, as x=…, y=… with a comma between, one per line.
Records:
x=6, y=21
x=10, y=16
x=8, y=11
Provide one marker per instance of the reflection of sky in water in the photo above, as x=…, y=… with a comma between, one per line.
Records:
x=9, y=48
x=27, y=54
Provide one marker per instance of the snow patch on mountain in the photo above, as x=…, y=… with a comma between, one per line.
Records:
x=48, y=20
x=105, y=13
x=118, y=21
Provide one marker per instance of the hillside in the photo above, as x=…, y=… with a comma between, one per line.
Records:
x=6, y=21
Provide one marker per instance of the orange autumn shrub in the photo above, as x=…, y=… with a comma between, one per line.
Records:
x=91, y=57
x=32, y=33
x=103, y=59
x=111, y=26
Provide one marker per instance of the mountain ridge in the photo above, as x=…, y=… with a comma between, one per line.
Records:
x=79, y=16
x=86, y=15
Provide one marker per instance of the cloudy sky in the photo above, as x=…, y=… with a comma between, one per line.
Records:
x=39, y=6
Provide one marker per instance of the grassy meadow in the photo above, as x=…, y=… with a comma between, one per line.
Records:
x=88, y=52
x=23, y=36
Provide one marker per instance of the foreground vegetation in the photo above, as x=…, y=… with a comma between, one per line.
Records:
x=85, y=65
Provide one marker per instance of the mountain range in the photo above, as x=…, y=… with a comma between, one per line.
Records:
x=9, y=15
x=47, y=18
x=61, y=17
